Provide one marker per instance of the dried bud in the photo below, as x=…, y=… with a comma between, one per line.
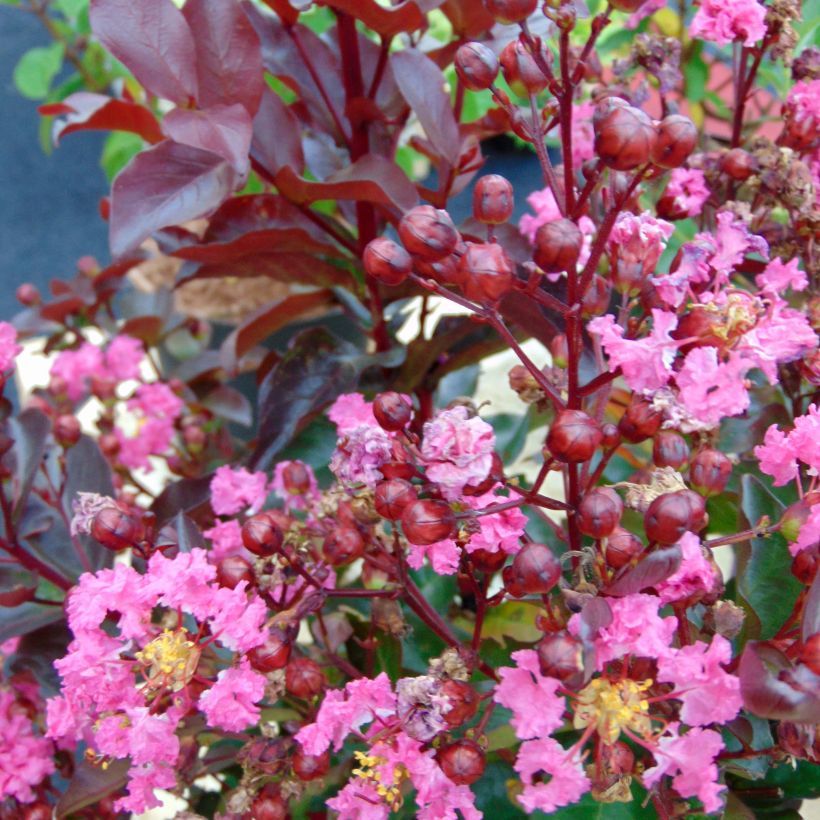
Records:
x=425, y=522
x=624, y=138
x=304, y=678
x=510, y=11
x=534, y=570
x=262, y=535
x=640, y=421
x=599, y=512
x=392, y=411
x=67, y=430
x=28, y=295
x=557, y=246
x=724, y=618
x=265, y=755
x=493, y=199
x=115, y=529
x=310, y=767
x=669, y=449
x=428, y=233
x=676, y=139
x=574, y=436
x=520, y=69
x=392, y=496
x=463, y=701
x=232, y=570
x=343, y=546
x=463, y=761
x=669, y=516
x=271, y=655
x=561, y=656
x=476, y=66
x=710, y=472
x=387, y=261
x=621, y=547
x=487, y=272
x=738, y=164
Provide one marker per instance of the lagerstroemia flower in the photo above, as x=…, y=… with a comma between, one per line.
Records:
x=567, y=783
x=809, y=534
x=732, y=240
x=687, y=188
x=76, y=367
x=711, y=390
x=295, y=500
x=359, y=455
x=8, y=346
x=86, y=506
x=226, y=540
x=723, y=23
x=803, y=103
x=233, y=490
x=231, y=702
x=638, y=240
x=777, y=456
x=156, y=407
x=695, y=573
x=805, y=438
x=351, y=410
x=778, y=276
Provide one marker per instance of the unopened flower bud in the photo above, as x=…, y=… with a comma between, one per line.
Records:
x=493, y=199
x=624, y=138
x=573, y=437
x=233, y=569
x=599, y=512
x=621, y=547
x=463, y=761
x=738, y=164
x=270, y=805
x=310, y=767
x=488, y=562
x=115, y=529
x=560, y=656
x=724, y=618
x=343, y=546
x=710, y=472
x=271, y=655
x=535, y=570
x=392, y=411
x=262, y=535
x=67, y=430
x=559, y=350
x=668, y=517
x=520, y=69
x=669, y=449
x=487, y=271
x=266, y=755
x=28, y=295
x=640, y=421
x=426, y=522
x=463, y=700
x=596, y=299
x=387, y=261
x=428, y=233
x=557, y=246
x=676, y=138
x=611, y=435
x=390, y=497
x=296, y=478
x=304, y=678
x=510, y=11
x=476, y=66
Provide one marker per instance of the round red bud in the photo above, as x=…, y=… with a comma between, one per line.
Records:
x=28, y=295
x=271, y=655
x=493, y=201
x=304, y=678
x=262, y=535
x=535, y=569
x=488, y=562
x=640, y=421
x=310, y=767
x=667, y=518
x=109, y=444
x=806, y=563
x=390, y=497
x=676, y=139
x=463, y=761
x=232, y=570
x=343, y=546
x=39, y=811
x=296, y=478
x=511, y=583
x=697, y=505
x=558, y=246
x=599, y=512
x=115, y=529
x=621, y=547
x=270, y=805
x=611, y=435
x=67, y=430
x=561, y=656
x=510, y=11
x=487, y=271
x=710, y=472
x=624, y=138
x=810, y=653
x=392, y=411
x=574, y=436
x=426, y=522
x=669, y=449
x=520, y=69
x=476, y=66
x=738, y=164
x=428, y=233
x=387, y=261
x=463, y=701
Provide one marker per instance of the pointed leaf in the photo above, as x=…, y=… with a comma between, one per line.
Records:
x=154, y=42
x=85, y=111
x=387, y=21
x=165, y=185
x=188, y=534
x=37, y=652
x=186, y=495
x=20, y=620
x=229, y=404
x=649, y=571
x=29, y=432
x=90, y=784
x=277, y=137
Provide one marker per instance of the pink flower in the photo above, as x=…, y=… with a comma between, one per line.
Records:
x=346, y=711
x=123, y=358
x=359, y=800
x=695, y=573
x=803, y=104
x=711, y=390
x=709, y=694
x=236, y=620
x=809, y=533
x=360, y=454
x=732, y=241
x=635, y=629
x=777, y=456
x=687, y=188
x=142, y=783
x=25, y=758
x=546, y=210
x=779, y=276
x=646, y=363
x=458, y=450
x=637, y=242
x=350, y=411
x=444, y=556
x=805, y=439
x=689, y=759
x=76, y=367
x=231, y=702
x=498, y=531
x=421, y=706
x=693, y=267
x=226, y=540
x=156, y=408
x=567, y=783
x=583, y=135
x=722, y=23
x=236, y=490
x=537, y=710
x=86, y=506
x=647, y=9
x=295, y=500
x=156, y=400
x=8, y=346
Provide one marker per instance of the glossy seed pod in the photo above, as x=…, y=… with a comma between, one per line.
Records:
x=428, y=233
x=557, y=246
x=476, y=66
x=387, y=261
x=624, y=139
x=573, y=437
x=426, y=522
x=493, y=200
x=675, y=140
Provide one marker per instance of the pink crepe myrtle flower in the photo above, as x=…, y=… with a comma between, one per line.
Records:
x=25, y=757
x=695, y=573
x=687, y=189
x=226, y=541
x=233, y=490
x=76, y=367
x=156, y=408
x=86, y=506
x=583, y=134
x=546, y=210
x=9, y=349
x=231, y=702
x=693, y=268
x=803, y=104
x=805, y=439
x=359, y=800
x=777, y=456
x=567, y=782
x=710, y=389
x=457, y=449
x=295, y=500
x=360, y=454
x=647, y=9
x=532, y=698
x=123, y=357
x=709, y=694
x=444, y=556
x=778, y=276
x=646, y=363
x=809, y=534
x=351, y=410
x=723, y=23
x=638, y=240
x=690, y=760
x=731, y=241
x=497, y=532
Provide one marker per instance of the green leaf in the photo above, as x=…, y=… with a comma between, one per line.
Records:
x=696, y=74
x=513, y=619
x=764, y=579
x=589, y=809
x=36, y=69
x=72, y=8
x=510, y=434
x=119, y=148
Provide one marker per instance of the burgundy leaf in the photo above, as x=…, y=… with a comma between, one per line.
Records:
x=811, y=610
x=284, y=9
x=90, y=783
x=649, y=571
x=256, y=212
x=277, y=137
x=162, y=186
x=153, y=40
x=469, y=18
x=17, y=585
x=228, y=54
x=388, y=21
x=222, y=129
x=228, y=403
x=188, y=495
x=424, y=88
x=595, y=616
x=85, y=111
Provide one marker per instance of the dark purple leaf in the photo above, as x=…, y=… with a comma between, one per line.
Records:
x=649, y=571
x=30, y=432
x=228, y=54
x=17, y=585
x=153, y=40
x=424, y=88
x=85, y=111
x=525, y=313
x=277, y=137
x=165, y=185
x=188, y=536
x=147, y=328
x=187, y=495
x=37, y=652
x=811, y=610
x=773, y=688
x=229, y=404
x=90, y=783
x=26, y=618
x=241, y=215
x=222, y=129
